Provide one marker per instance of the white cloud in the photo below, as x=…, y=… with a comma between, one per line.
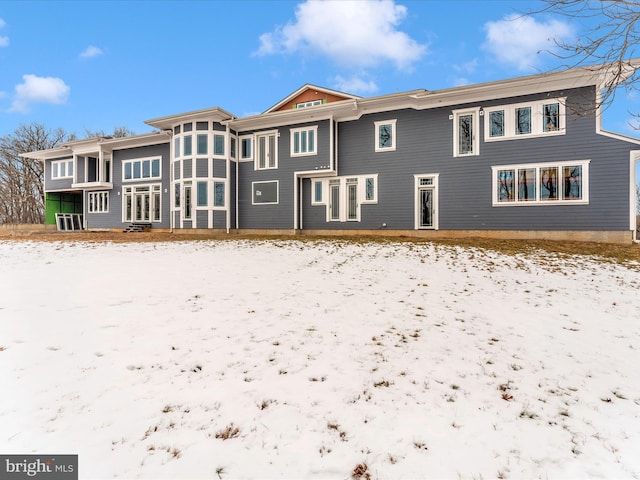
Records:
x=355, y=33
x=91, y=52
x=4, y=41
x=518, y=40
x=36, y=89
x=354, y=85
x=468, y=67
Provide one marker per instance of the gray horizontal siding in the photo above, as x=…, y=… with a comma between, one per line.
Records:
x=425, y=146
x=280, y=216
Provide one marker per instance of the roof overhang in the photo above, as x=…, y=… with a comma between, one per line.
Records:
x=308, y=86
x=216, y=114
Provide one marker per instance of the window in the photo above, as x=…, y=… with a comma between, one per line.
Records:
x=245, y=148
x=385, y=134
x=544, y=183
x=141, y=203
x=188, y=139
x=98, y=202
x=219, y=194
x=233, y=147
x=141, y=169
x=317, y=192
x=202, y=142
x=187, y=210
x=62, y=169
x=218, y=145
x=523, y=120
x=176, y=147
x=308, y=104
x=202, y=194
x=264, y=192
x=343, y=197
x=465, y=132
x=266, y=151
x=303, y=141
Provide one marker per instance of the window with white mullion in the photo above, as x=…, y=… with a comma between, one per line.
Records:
x=303, y=141
x=266, y=151
x=466, y=132
x=525, y=120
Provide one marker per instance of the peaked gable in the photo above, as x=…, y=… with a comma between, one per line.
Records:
x=307, y=94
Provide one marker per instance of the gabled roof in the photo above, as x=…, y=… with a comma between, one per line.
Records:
x=309, y=92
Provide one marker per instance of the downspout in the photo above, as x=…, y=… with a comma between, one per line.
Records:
x=227, y=195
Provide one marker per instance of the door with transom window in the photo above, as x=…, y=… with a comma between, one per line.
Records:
x=426, y=199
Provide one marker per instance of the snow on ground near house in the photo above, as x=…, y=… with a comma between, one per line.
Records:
x=284, y=359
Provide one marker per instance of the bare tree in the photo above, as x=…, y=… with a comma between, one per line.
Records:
x=638, y=200
x=610, y=43
x=118, y=132
x=21, y=188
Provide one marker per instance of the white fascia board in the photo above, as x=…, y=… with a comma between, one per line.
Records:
x=155, y=138
x=216, y=114
x=308, y=86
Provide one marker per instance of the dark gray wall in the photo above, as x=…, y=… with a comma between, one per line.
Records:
x=113, y=219
x=425, y=146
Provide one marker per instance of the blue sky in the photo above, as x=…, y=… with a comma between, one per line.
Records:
x=98, y=65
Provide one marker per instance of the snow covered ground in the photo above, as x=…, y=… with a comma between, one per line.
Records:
x=284, y=359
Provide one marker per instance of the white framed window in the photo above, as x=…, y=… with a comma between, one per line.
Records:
x=219, y=192
x=266, y=150
x=187, y=200
x=246, y=147
x=303, y=141
x=426, y=201
x=344, y=196
x=219, y=145
x=142, y=203
x=141, y=169
x=465, y=132
x=263, y=193
x=552, y=183
x=62, y=168
x=98, y=202
x=385, y=135
x=525, y=120
x=311, y=103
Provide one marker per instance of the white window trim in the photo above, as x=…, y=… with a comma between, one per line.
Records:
x=142, y=179
x=313, y=129
x=342, y=182
x=377, y=146
x=537, y=128
x=153, y=188
x=211, y=191
x=66, y=161
x=92, y=204
x=241, y=138
x=537, y=202
x=277, y=182
x=225, y=147
x=416, y=198
x=256, y=142
x=475, y=134
x=311, y=103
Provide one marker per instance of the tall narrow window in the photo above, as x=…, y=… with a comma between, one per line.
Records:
x=334, y=201
x=523, y=121
x=245, y=149
x=187, y=145
x=317, y=191
x=572, y=182
x=266, y=152
x=352, y=199
x=203, y=140
x=496, y=123
x=187, y=201
x=549, y=183
x=527, y=184
x=385, y=135
x=202, y=194
x=465, y=132
x=218, y=144
x=370, y=188
x=506, y=192
x=551, y=117
x=218, y=194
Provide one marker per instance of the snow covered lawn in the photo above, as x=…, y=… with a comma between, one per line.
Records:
x=327, y=359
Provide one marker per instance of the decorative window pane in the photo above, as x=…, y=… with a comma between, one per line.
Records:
x=245, y=148
x=370, y=188
x=128, y=207
x=572, y=188
x=352, y=201
x=202, y=144
x=177, y=195
x=218, y=144
x=385, y=136
x=506, y=182
x=187, y=201
x=523, y=121
x=549, y=183
x=551, y=117
x=426, y=181
x=496, y=123
x=527, y=184
x=187, y=144
x=317, y=192
x=202, y=194
x=156, y=206
x=155, y=167
x=218, y=194
x=465, y=134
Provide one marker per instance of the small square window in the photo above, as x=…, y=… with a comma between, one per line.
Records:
x=385, y=135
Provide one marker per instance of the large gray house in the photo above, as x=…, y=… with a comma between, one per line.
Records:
x=519, y=158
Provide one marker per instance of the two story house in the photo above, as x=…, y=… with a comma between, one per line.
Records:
x=519, y=158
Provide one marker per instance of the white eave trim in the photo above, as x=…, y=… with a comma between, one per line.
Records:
x=216, y=114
